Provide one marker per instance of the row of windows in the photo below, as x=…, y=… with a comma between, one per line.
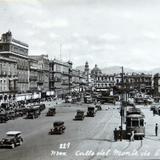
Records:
x=19, y=50
x=126, y=80
x=6, y=64
x=103, y=85
x=106, y=78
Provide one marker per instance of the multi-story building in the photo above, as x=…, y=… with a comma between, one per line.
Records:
x=42, y=72
x=60, y=79
x=131, y=82
x=104, y=81
x=33, y=75
x=156, y=85
x=18, y=51
x=8, y=76
x=140, y=82
x=75, y=80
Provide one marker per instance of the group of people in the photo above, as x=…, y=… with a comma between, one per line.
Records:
x=117, y=135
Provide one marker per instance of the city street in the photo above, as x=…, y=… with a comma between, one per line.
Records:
x=90, y=139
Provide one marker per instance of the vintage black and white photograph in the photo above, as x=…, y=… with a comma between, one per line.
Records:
x=79, y=79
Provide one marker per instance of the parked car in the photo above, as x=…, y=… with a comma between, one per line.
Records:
x=3, y=117
x=74, y=99
x=91, y=112
x=79, y=115
x=68, y=99
x=42, y=107
x=11, y=114
x=12, y=139
x=20, y=112
x=33, y=112
x=58, y=128
x=5, y=106
x=98, y=106
x=51, y=111
x=88, y=99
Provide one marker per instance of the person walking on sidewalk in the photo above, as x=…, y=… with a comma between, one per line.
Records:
x=156, y=129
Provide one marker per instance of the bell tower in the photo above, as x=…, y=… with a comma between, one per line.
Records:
x=86, y=70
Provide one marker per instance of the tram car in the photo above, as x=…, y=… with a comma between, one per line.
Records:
x=135, y=122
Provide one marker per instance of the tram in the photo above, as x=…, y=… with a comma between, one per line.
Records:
x=135, y=122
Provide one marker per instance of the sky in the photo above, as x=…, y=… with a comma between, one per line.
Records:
x=103, y=32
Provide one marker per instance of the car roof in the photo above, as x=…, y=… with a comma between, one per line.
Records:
x=57, y=123
x=91, y=107
x=13, y=132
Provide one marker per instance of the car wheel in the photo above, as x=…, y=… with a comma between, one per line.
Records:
x=13, y=145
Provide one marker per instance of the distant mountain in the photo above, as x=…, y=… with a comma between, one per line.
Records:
x=118, y=69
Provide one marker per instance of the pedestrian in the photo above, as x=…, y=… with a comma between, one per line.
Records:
x=154, y=112
x=115, y=134
x=132, y=136
x=156, y=129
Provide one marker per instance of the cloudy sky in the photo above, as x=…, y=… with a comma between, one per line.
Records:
x=106, y=32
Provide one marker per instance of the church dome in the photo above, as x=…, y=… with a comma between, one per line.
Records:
x=96, y=71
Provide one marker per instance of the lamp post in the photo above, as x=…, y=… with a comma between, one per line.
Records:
x=122, y=99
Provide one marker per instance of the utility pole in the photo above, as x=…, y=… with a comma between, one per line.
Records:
x=70, y=76
x=69, y=81
x=122, y=99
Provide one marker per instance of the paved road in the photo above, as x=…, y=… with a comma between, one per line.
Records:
x=79, y=135
x=91, y=139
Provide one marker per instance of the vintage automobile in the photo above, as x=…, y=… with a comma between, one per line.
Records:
x=12, y=139
x=51, y=111
x=42, y=107
x=11, y=114
x=20, y=112
x=91, y=112
x=58, y=128
x=98, y=106
x=5, y=106
x=68, y=99
x=33, y=112
x=74, y=99
x=88, y=99
x=79, y=115
x=3, y=117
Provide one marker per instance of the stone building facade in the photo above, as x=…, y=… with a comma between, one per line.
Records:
x=140, y=82
x=60, y=79
x=41, y=69
x=8, y=76
x=156, y=85
x=18, y=51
